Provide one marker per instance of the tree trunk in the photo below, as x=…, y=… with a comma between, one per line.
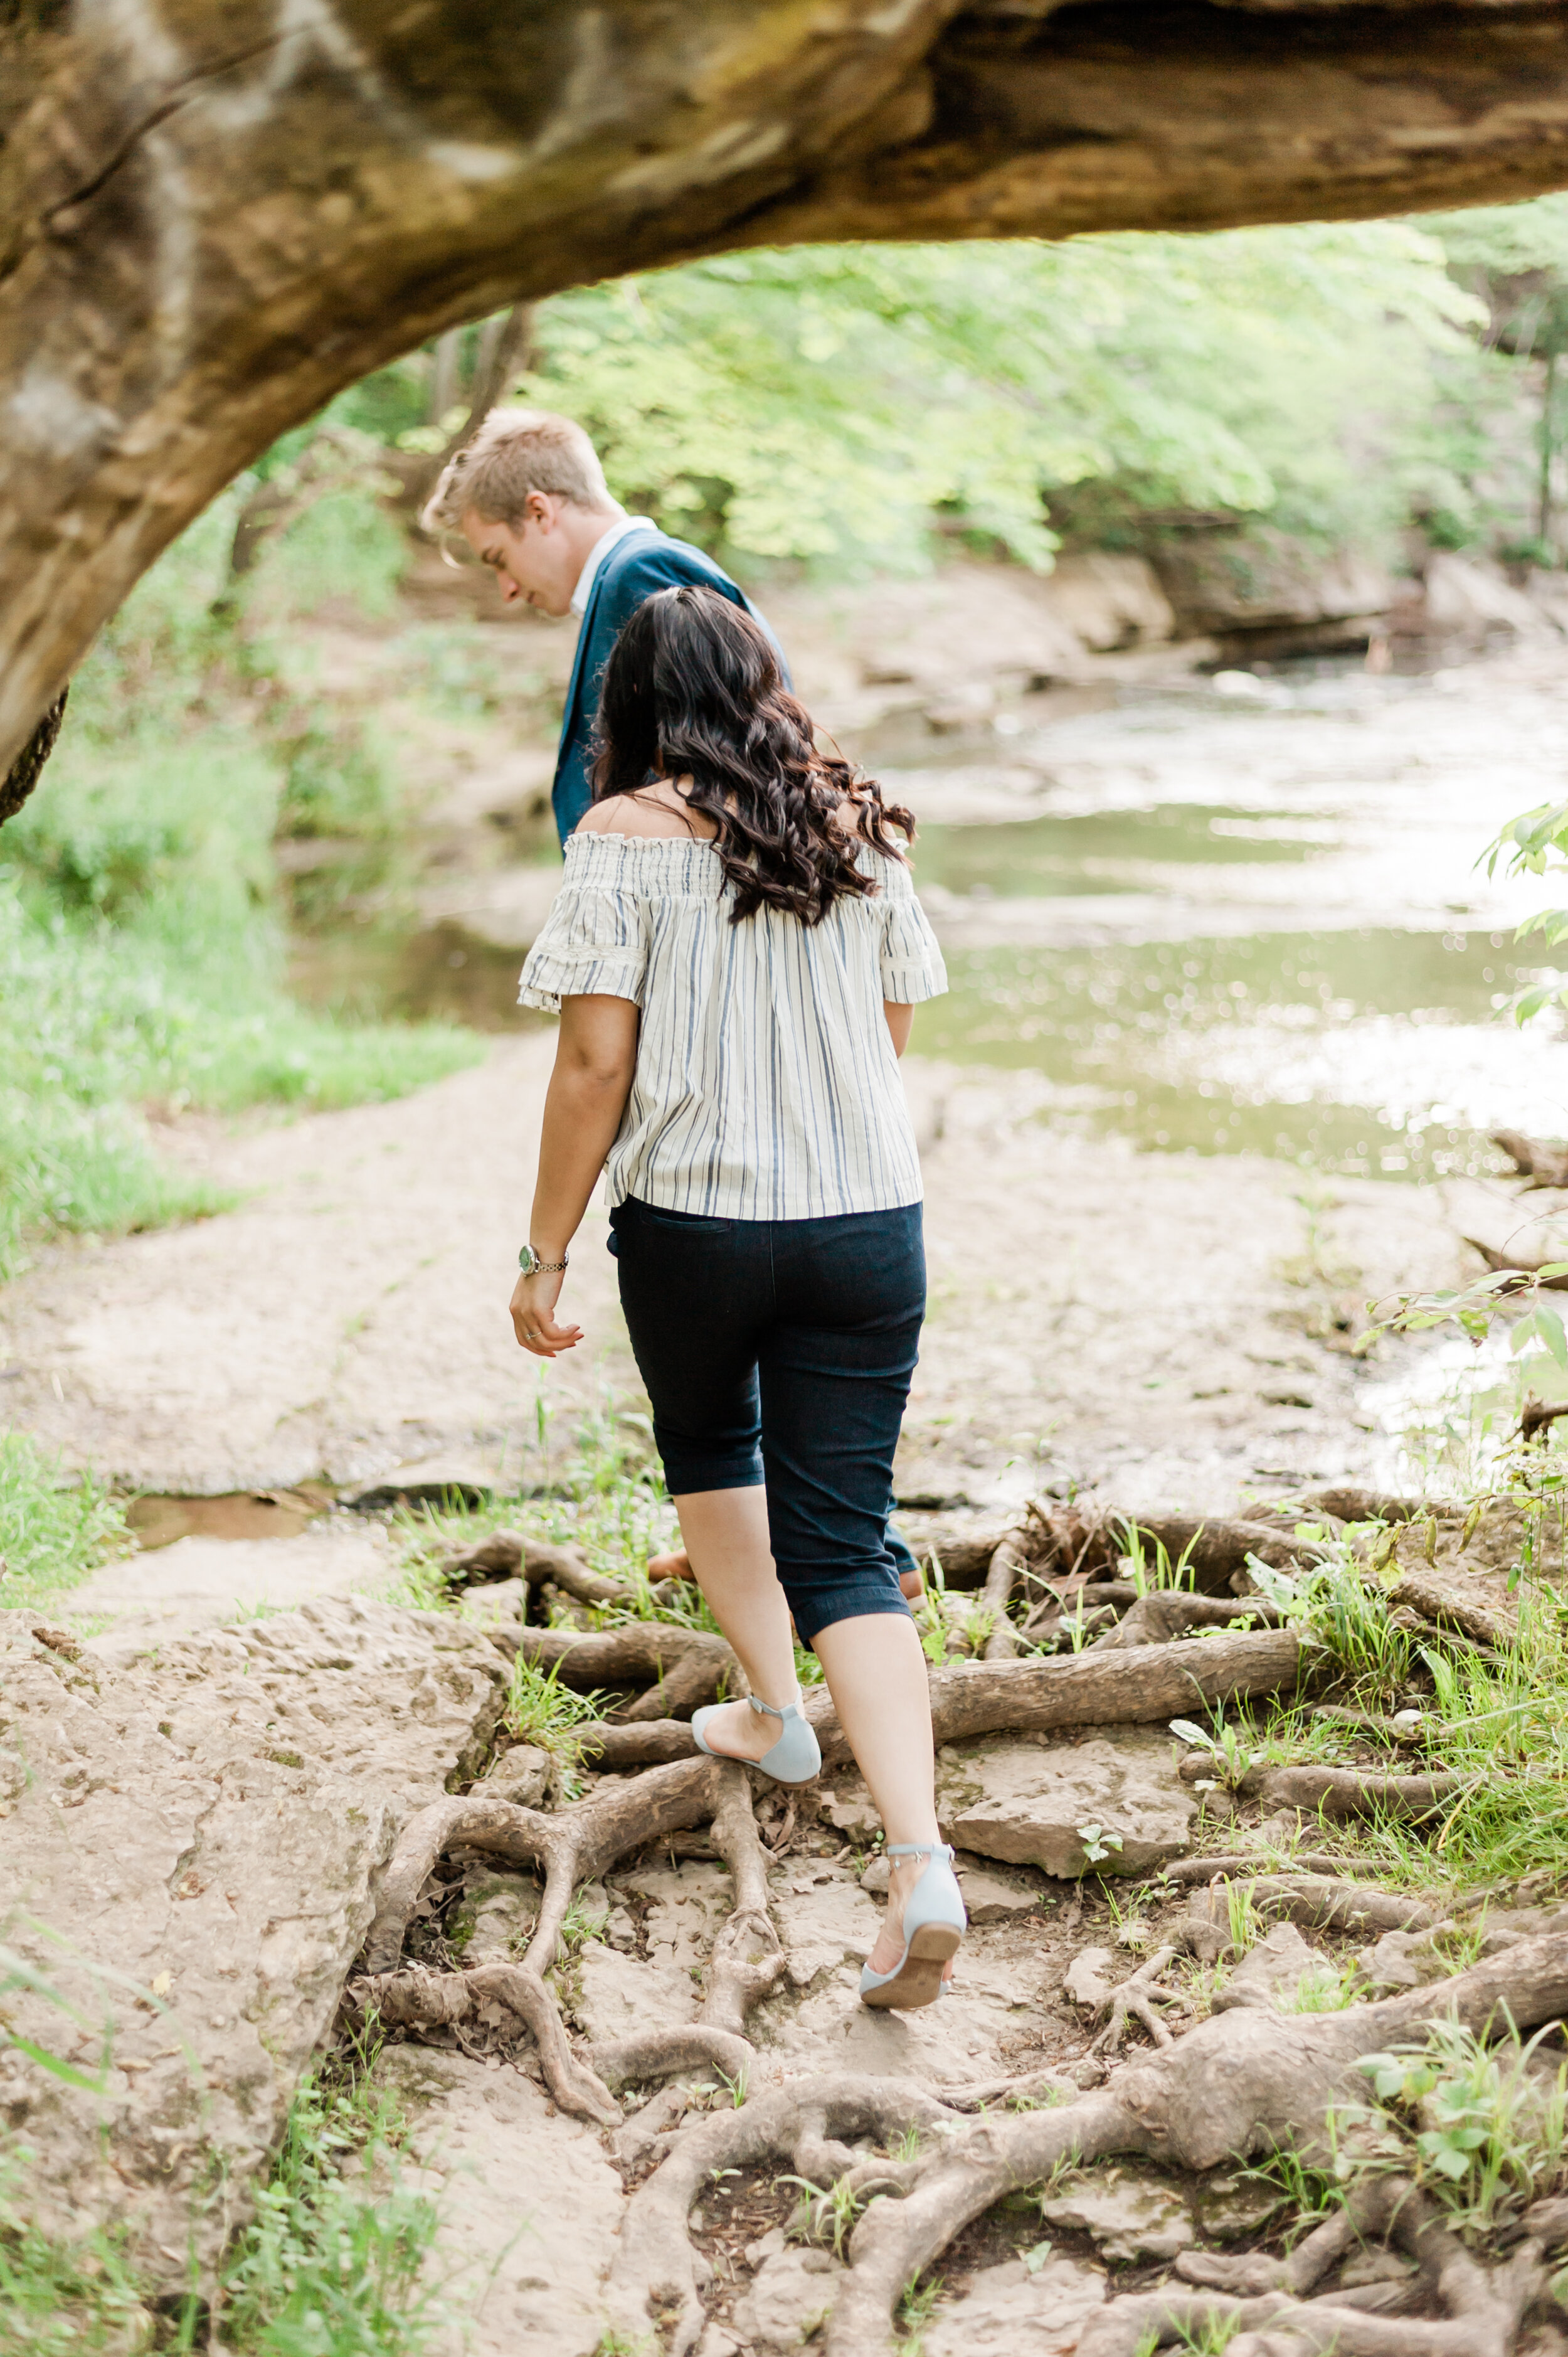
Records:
x=213, y=218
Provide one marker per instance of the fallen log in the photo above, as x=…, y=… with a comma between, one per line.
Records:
x=1339, y=1793
x=1313, y=1901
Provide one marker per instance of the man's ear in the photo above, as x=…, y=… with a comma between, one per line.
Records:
x=537, y=510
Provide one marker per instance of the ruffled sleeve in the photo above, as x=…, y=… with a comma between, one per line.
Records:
x=594, y=938
x=912, y=966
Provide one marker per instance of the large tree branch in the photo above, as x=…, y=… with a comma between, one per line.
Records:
x=212, y=220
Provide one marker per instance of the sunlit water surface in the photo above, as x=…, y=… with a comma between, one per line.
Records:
x=1209, y=922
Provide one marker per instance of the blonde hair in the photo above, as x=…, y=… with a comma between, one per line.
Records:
x=517, y=451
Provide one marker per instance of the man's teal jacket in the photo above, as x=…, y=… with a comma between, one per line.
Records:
x=645, y=561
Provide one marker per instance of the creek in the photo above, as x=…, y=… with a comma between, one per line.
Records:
x=1214, y=916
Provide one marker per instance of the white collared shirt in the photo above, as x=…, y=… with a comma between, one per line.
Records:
x=599, y=551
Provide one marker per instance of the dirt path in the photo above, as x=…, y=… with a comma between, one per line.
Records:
x=1098, y=1314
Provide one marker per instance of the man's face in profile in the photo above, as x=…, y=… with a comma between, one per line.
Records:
x=535, y=560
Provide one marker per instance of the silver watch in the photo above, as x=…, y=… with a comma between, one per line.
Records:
x=528, y=1260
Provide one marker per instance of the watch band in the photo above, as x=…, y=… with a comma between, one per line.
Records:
x=528, y=1260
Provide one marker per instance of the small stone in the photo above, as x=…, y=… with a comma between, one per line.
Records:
x=1130, y=2217
x=767, y=2246
x=1374, y=2266
x=521, y=1775
x=1014, y=2312
x=621, y=1931
x=851, y=1810
x=1226, y=2208
x=991, y=1898
x=793, y=2294
x=877, y=1877
x=1277, y=1963
x=494, y=1920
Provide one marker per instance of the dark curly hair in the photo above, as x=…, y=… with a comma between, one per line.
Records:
x=693, y=689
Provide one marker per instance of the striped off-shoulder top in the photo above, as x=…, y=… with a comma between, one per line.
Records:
x=767, y=1086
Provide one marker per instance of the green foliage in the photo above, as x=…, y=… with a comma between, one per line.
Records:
x=822, y=404
x=170, y=1004
x=334, y=2263
x=60, y=2299
x=1475, y=2125
x=54, y=1527
x=141, y=935
x=540, y=1709
x=335, y=2266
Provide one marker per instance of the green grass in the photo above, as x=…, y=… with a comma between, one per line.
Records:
x=333, y=2263
x=54, y=1530
x=103, y=1018
x=334, y=2266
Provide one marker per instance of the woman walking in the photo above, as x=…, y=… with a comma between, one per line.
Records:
x=736, y=951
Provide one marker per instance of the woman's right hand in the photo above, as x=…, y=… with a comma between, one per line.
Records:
x=533, y=1300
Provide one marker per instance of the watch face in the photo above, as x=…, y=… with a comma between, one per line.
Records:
x=528, y=1260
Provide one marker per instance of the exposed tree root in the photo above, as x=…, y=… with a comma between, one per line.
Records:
x=1483, y=2306
x=653, y=2279
x=1166, y=1613
x=1339, y=1794
x=1239, y=1863
x=429, y=2000
x=1445, y=1611
x=1087, y=1984
x=1010, y=1558
x=1240, y=2083
x=640, y=1743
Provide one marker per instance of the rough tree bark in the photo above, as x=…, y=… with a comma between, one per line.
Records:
x=213, y=218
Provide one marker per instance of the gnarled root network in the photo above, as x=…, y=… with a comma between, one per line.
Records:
x=1242, y=2083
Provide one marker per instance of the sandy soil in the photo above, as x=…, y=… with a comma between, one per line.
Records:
x=1145, y=1324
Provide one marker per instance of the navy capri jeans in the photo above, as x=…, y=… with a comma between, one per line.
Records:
x=780, y=1351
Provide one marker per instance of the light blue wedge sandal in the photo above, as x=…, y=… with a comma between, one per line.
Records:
x=795, y=1758
x=934, y=1923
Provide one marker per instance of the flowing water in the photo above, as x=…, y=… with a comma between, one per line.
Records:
x=1213, y=917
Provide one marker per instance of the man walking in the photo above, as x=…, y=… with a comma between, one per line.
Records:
x=529, y=496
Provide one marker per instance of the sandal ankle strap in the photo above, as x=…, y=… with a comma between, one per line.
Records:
x=791, y=1709
x=920, y=1849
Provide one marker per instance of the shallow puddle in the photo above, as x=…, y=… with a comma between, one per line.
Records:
x=159, y=1520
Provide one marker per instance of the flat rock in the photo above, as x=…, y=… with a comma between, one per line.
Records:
x=689, y=1905
x=468, y=1481
x=1018, y=2313
x=793, y=2292
x=995, y=1898
x=201, y=1583
x=1036, y=1804
x=494, y=1920
x=189, y=1858
x=530, y=2206
x=1129, y=2216
x=620, y=1993
x=827, y=1923
x=1226, y=2208
x=404, y=1704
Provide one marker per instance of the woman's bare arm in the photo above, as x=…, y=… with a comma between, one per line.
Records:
x=596, y=1059
x=899, y=1019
